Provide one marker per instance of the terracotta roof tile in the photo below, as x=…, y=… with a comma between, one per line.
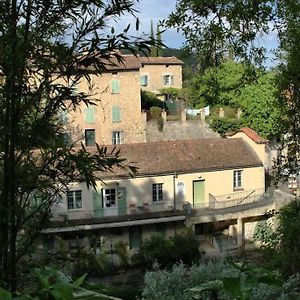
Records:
x=128, y=62
x=253, y=135
x=186, y=156
x=160, y=61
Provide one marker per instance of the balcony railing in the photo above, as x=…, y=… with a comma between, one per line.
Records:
x=129, y=210
x=167, y=207
x=235, y=199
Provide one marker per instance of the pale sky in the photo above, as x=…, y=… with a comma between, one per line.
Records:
x=157, y=10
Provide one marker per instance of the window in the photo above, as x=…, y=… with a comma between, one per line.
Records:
x=115, y=86
x=237, y=179
x=89, y=136
x=110, y=198
x=144, y=80
x=89, y=114
x=168, y=80
x=116, y=114
x=74, y=199
x=157, y=192
x=117, y=137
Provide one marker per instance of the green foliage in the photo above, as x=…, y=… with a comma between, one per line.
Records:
x=231, y=84
x=122, y=250
x=53, y=284
x=267, y=237
x=149, y=99
x=260, y=106
x=281, y=245
x=216, y=30
x=171, y=93
x=155, y=112
x=289, y=233
x=166, y=252
x=47, y=47
x=219, y=280
x=224, y=125
x=218, y=85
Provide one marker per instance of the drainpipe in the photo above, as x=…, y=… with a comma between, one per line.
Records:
x=175, y=175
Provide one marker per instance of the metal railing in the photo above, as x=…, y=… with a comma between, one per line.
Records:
x=235, y=199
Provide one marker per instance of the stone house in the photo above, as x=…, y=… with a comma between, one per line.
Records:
x=160, y=72
x=117, y=117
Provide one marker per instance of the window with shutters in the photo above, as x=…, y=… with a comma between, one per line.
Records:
x=144, y=80
x=116, y=114
x=109, y=197
x=115, y=86
x=89, y=136
x=89, y=114
x=74, y=199
x=117, y=137
x=168, y=80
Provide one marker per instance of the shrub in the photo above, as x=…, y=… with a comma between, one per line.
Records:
x=166, y=252
x=224, y=280
x=149, y=99
x=155, y=112
x=224, y=125
x=121, y=249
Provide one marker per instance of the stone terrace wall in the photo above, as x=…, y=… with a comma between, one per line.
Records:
x=179, y=130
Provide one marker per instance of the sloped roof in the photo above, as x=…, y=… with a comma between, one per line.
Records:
x=186, y=156
x=127, y=62
x=160, y=61
x=253, y=135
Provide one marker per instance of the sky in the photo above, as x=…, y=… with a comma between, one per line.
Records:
x=157, y=10
x=154, y=10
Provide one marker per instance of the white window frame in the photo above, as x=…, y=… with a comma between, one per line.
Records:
x=237, y=179
x=117, y=137
x=157, y=192
x=74, y=197
x=110, y=197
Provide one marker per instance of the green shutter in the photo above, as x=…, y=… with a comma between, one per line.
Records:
x=122, y=209
x=89, y=114
x=172, y=80
x=115, y=86
x=98, y=207
x=116, y=114
x=144, y=80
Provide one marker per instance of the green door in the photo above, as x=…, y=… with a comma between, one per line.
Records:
x=98, y=207
x=121, y=201
x=198, y=193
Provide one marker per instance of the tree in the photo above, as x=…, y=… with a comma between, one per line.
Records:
x=46, y=48
x=211, y=29
x=260, y=107
x=281, y=243
x=159, y=50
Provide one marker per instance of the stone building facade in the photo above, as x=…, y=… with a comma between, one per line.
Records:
x=117, y=118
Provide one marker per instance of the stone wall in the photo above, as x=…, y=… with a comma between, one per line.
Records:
x=178, y=130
